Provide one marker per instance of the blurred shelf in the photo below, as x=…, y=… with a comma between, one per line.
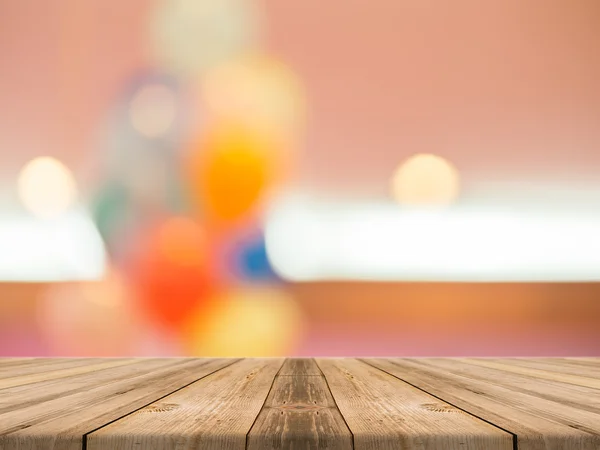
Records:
x=451, y=304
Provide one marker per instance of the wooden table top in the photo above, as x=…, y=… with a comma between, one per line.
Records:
x=383, y=403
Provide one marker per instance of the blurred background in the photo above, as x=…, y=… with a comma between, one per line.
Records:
x=299, y=178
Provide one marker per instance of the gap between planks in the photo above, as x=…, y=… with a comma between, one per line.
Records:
x=84, y=444
x=515, y=443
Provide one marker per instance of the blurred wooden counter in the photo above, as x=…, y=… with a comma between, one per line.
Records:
x=420, y=319
x=450, y=319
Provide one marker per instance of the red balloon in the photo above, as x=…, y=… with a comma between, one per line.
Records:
x=172, y=270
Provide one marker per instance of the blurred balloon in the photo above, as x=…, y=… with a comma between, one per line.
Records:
x=94, y=318
x=246, y=323
x=152, y=111
x=257, y=90
x=172, y=271
x=120, y=212
x=230, y=172
x=113, y=215
x=247, y=260
x=46, y=187
x=187, y=36
x=149, y=121
x=140, y=159
x=425, y=180
x=153, y=184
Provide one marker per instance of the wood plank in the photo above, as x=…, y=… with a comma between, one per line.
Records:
x=563, y=367
x=537, y=423
x=300, y=367
x=592, y=360
x=185, y=404
x=538, y=373
x=577, y=362
x=13, y=360
x=386, y=413
x=214, y=413
x=17, y=380
x=61, y=423
x=578, y=397
x=300, y=412
x=46, y=365
x=19, y=397
x=8, y=362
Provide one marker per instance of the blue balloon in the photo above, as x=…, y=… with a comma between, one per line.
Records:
x=253, y=261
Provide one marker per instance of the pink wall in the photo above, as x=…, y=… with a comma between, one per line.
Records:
x=63, y=62
x=507, y=89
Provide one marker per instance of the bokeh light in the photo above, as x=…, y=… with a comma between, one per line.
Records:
x=248, y=323
x=153, y=110
x=46, y=187
x=95, y=318
x=425, y=180
x=188, y=36
x=230, y=171
x=257, y=90
x=171, y=270
x=66, y=248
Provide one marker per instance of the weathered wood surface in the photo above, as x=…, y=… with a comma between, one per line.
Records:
x=251, y=404
x=538, y=423
x=300, y=412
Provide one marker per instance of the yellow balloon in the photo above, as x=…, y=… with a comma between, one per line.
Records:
x=259, y=91
x=254, y=323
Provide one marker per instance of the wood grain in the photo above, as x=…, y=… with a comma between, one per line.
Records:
x=300, y=412
x=334, y=404
x=565, y=394
x=12, y=361
x=300, y=367
x=386, y=413
x=539, y=373
x=537, y=423
x=214, y=413
x=60, y=423
x=567, y=367
x=19, y=397
x=39, y=366
x=22, y=366
x=577, y=359
x=45, y=375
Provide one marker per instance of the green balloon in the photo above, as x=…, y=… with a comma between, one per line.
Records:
x=110, y=210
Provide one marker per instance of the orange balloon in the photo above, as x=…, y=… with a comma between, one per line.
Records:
x=172, y=270
x=230, y=171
